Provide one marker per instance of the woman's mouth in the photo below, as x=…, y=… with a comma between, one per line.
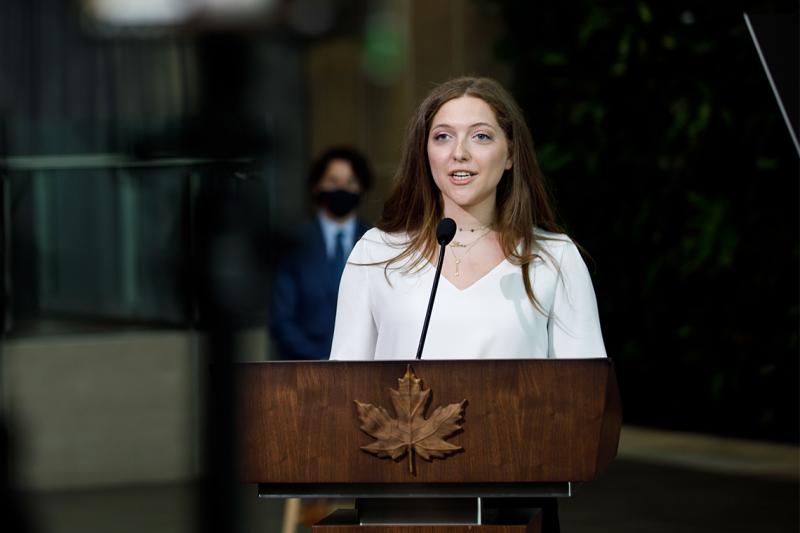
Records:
x=461, y=176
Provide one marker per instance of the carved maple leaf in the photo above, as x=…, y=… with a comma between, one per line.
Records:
x=410, y=432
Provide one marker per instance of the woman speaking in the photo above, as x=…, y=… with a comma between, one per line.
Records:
x=514, y=285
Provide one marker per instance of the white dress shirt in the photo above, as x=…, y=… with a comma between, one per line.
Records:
x=330, y=228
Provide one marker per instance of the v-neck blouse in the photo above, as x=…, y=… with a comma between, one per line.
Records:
x=380, y=312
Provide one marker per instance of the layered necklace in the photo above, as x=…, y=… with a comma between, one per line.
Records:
x=484, y=231
x=457, y=244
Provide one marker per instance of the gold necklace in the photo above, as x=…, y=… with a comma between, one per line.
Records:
x=455, y=244
x=458, y=244
x=476, y=228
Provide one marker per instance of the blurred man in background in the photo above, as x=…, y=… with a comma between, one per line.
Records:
x=306, y=283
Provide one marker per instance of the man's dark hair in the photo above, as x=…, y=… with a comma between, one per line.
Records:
x=356, y=160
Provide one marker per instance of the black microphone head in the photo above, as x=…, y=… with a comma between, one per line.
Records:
x=445, y=231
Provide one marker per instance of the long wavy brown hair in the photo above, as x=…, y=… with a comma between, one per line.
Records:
x=414, y=205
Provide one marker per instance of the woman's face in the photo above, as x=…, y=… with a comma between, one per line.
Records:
x=467, y=153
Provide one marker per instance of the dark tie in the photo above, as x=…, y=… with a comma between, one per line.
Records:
x=339, y=257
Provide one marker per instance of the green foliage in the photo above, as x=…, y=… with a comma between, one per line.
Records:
x=664, y=146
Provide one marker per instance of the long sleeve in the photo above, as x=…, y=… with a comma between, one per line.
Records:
x=574, y=323
x=355, y=334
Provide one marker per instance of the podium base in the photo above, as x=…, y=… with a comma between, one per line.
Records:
x=346, y=521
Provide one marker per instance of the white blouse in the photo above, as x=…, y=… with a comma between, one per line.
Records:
x=380, y=318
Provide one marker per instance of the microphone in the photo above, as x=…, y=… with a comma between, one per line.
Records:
x=445, y=232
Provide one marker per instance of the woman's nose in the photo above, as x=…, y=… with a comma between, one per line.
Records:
x=460, y=153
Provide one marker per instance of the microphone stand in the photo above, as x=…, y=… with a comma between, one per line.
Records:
x=430, y=300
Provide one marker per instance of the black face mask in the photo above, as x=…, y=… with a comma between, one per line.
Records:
x=339, y=202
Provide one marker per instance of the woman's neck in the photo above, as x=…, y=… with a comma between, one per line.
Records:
x=469, y=218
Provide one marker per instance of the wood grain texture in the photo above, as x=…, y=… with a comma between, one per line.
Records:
x=612, y=424
x=345, y=522
x=525, y=420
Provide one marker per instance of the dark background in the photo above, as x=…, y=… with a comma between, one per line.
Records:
x=673, y=167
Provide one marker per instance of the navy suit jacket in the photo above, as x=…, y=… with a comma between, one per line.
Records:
x=304, y=293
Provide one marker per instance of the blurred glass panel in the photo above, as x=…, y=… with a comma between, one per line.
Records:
x=99, y=243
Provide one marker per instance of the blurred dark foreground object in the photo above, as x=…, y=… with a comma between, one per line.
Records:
x=15, y=515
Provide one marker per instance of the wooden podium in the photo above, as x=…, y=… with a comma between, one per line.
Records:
x=529, y=430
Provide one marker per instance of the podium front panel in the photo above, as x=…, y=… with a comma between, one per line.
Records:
x=525, y=421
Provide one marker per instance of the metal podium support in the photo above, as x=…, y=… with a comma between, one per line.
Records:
x=427, y=504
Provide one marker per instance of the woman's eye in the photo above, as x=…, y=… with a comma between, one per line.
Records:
x=440, y=136
x=483, y=137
